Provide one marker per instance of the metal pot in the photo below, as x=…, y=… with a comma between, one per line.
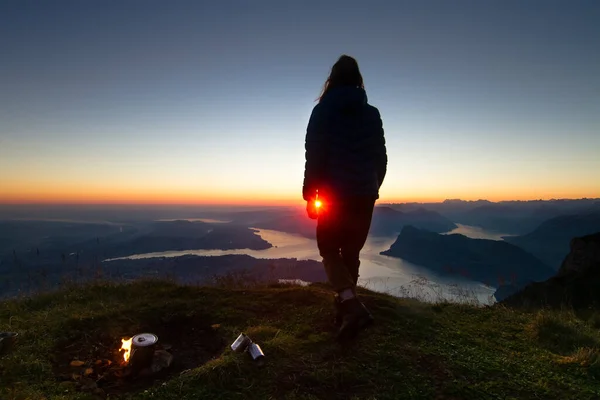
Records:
x=142, y=351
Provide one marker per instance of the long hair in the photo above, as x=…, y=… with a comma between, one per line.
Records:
x=345, y=72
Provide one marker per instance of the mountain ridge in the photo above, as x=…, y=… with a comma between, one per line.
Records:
x=487, y=261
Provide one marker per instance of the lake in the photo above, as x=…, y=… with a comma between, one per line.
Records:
x=377, y=272
x=475, y=232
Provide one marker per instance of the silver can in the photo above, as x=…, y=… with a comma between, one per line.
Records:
x=255, y=351
x=241, y=343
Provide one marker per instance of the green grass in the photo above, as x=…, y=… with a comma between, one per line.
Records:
x=414, y=351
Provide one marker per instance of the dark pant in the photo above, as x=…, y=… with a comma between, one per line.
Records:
x=342, y=230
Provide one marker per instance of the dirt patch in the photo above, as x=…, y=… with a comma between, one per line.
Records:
x=92, y=361
x=434, y=367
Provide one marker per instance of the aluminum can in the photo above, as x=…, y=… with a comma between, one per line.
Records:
x=255, y=351
x=241, y=343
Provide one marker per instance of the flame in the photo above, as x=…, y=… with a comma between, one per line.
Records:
x=318, y=203
x=126, y=347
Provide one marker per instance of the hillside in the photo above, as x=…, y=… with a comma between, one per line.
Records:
x=550, y=241
x=387, y=221
x=415, y=350
x=575, y=285
x=488, y=261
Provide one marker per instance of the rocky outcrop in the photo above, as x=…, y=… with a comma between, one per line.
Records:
x=577, y=284
x=585, y=254
x=489, y=261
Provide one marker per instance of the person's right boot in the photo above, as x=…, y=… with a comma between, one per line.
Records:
x=356, y=317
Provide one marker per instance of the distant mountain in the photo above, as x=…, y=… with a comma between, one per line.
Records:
x=187, y=235
x=489, y=261
x=52, y=247
x=429, y=220
x=448, y=208
x=509, y=217
x=387, y=221
x=577, y=283
x=179, y=228
x=294, y=222
x=24, y=235
x=550, y=241
x=252, y=217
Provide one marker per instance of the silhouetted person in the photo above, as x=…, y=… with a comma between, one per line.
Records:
x=346, y=162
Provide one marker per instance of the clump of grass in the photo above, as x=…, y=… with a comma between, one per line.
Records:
x=587, y=357
x=560, y=331
x=425, y=290
x=237, y=279
x=594, y=320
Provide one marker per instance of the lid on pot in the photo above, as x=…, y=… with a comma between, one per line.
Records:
x=144, y=339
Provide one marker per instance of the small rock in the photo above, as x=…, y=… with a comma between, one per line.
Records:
x=162, y=359
x=146, y=372
x=67, y=386
x=76, y=363
x=65, y=377
x=88, y=384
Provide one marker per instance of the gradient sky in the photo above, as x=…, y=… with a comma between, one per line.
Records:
x=207, y=102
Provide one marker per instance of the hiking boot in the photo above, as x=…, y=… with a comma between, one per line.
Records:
x=355, y=318
x=339, y=313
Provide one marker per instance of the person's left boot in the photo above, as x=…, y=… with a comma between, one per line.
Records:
x=356, y=317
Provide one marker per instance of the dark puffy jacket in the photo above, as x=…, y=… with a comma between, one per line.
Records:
x=345, y=147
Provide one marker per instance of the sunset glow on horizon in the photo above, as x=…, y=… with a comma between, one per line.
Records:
x=202, y=105
x=158, y=197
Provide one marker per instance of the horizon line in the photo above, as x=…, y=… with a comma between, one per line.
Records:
x=281, y=203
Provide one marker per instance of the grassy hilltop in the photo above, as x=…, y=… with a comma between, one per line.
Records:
x=416, y=350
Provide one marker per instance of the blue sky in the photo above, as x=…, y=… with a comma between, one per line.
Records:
x=123, y=101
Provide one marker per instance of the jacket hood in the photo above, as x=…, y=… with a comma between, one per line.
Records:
x=345, y=97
